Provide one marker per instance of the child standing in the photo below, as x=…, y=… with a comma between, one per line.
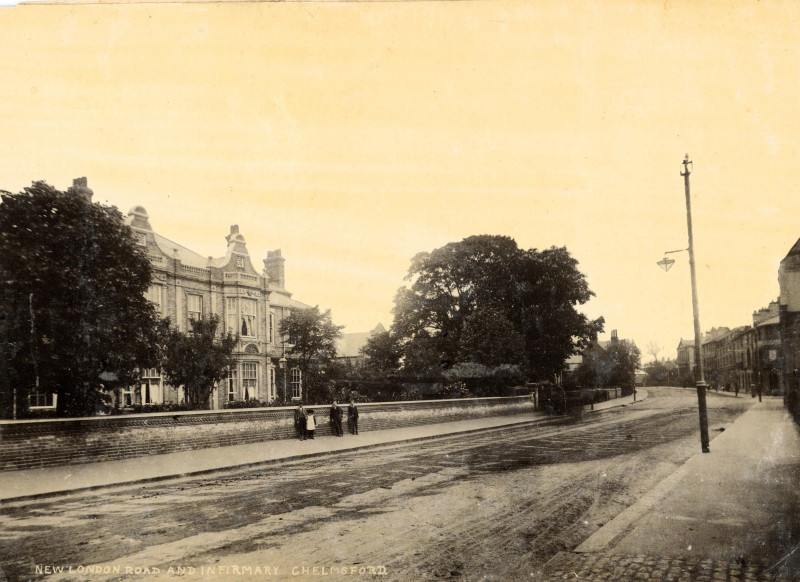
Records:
x=310, y=424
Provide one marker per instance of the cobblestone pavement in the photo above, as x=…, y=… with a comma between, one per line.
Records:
x=614, y=568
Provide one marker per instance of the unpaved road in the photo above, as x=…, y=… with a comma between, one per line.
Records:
x=489, y=506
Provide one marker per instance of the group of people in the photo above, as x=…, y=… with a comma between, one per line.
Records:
x=305, y=424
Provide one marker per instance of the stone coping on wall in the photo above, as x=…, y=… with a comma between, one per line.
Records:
x=45, y=442
x=234, y=412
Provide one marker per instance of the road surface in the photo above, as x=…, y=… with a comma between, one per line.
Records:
x=494, y=505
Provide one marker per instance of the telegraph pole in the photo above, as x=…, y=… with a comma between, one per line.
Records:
x=701, y=382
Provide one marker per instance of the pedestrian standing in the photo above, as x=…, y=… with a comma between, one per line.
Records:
x=311, y=426
x=336, y=419
x=352, y=418
x=300, y=418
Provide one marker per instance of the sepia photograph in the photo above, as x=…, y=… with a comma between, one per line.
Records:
x=536, y=264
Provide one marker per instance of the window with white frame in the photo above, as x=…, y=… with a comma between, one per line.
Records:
x=127, y=396
x=40, y=399
x=249, y=380
x=155, y=294
x=150, y=386
x=248, y=307
x=194, y=307
x=296, y=383
x=231, y=314
x=232, y=387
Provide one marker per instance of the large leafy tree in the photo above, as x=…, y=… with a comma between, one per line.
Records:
x=609, y=366
x=490, y=339
x=661, y=372
x=312, y=335
x=550, y=288
x=624, y=359
x=198, y=360
x=484, y=300
x=382, y=354
x=74, y=319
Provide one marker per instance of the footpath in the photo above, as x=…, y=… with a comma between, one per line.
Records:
x=35, y=483
x=731, y=514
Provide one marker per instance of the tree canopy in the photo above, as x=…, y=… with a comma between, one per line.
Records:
x=198, y=360
x=612, y=365
x=486, y=301
x=312, y=335
x=74, y=318
x=382, y=354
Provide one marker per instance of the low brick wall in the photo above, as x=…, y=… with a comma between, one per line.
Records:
x=46, y=443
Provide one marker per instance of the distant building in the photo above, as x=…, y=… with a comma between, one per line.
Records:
x=686, y=361
x=348, y=347
x=768, y=359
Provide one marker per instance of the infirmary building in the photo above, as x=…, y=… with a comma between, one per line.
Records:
x=188, y=286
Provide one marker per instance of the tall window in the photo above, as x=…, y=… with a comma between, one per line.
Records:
x=271, y=330
x=127, y=396
x=272, y=383
x=194, y=307
x=248, y=317
x=249, y=380
x=231, y=314
x=150, y=386
x=296, y=383
x=155, y=294
x=232, y=385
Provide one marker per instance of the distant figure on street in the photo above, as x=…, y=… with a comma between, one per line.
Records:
x=336, y=419
x=352, y=418
x=300, y=418
x=311, y=426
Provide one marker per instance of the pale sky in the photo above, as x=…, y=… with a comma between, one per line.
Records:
x=354, y=135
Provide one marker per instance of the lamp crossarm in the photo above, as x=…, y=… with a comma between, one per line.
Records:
x=676, y=251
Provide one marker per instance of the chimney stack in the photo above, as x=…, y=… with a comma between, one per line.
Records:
x=80, y=188
x=273, y=266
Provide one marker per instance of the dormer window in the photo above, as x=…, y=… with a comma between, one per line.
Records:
x=240, y=262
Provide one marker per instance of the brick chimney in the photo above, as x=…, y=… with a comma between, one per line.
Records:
x=80, y=188
x=273, y=267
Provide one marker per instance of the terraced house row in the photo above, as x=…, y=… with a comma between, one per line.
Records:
x=764, y=356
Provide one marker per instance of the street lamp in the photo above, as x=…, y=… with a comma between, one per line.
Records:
x=666, y=263
x=282, y=366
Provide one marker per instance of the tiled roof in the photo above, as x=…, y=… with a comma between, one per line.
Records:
x=186, y=256
x=350, y=344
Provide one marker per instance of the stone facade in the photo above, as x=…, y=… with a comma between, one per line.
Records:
x=250, y=303
x=686, y=361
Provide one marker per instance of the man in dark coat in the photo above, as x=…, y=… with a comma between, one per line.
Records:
x=336, y=419
x=300, y=422
x=352, y=418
